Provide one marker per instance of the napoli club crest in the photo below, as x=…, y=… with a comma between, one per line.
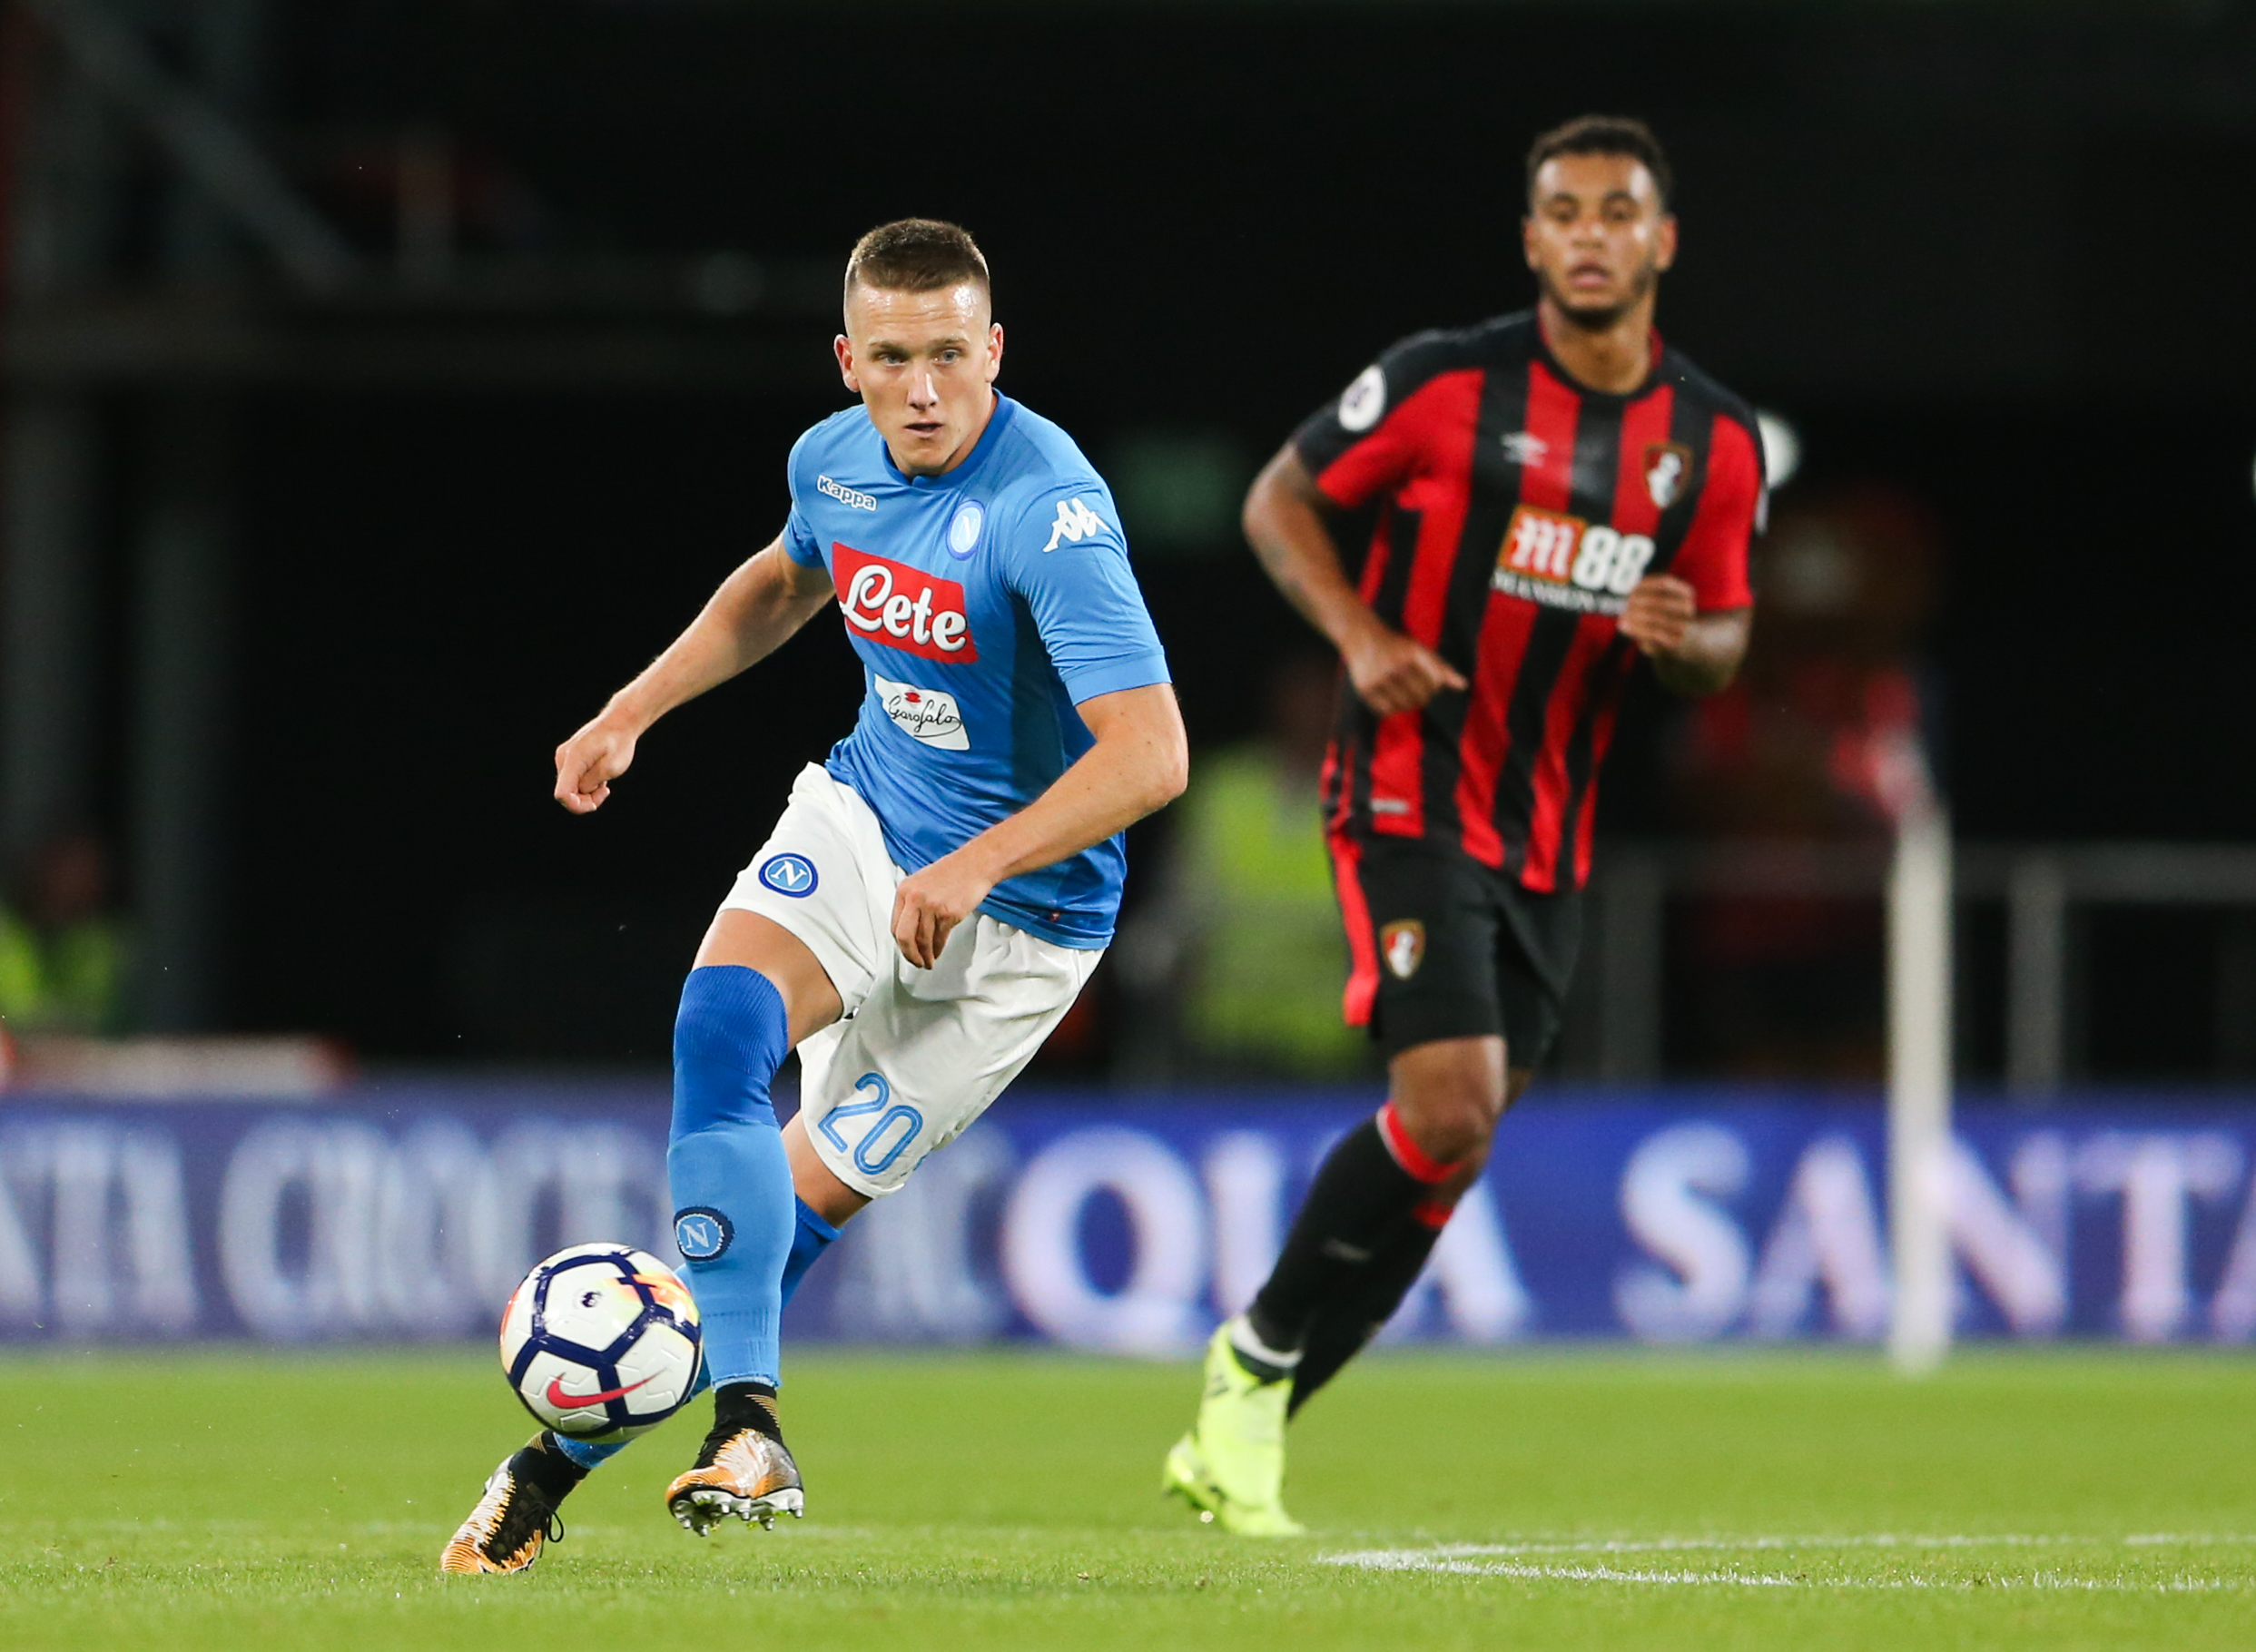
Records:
x=1403, y=945
x=702, y=1232
x=792, y=875
x=964, y=531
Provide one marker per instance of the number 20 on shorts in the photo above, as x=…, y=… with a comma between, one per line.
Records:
x=873, y=1156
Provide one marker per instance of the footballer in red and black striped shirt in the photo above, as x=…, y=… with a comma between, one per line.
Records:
x=1554, y=493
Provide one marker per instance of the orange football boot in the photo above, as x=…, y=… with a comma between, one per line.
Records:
x=516, y=1518
x=740, y=1471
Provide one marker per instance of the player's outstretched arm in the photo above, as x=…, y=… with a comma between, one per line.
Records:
x=1284, y=522
x=1692, y=653
x=1141, y=763
x=754, y=613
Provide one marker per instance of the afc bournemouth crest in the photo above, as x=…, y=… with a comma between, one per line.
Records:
x=1667, y=468
x=1403, y=945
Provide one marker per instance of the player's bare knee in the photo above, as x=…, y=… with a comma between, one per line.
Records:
x=1450, y=1119
x=1462, y=1129
x=1449, y=1096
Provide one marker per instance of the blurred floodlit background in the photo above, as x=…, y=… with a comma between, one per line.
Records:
x=385, y=382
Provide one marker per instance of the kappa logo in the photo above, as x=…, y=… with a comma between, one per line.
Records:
x=925, y=715
x=1403, y=945
x=1564, y=562
x=1525, y=448
x=851, y=497
x=873, y=594
x=1668, y=466
x=702, y=1232
x=1075, y=521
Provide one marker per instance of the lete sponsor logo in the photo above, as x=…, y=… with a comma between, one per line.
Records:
x=902, y=607
x=924, y=715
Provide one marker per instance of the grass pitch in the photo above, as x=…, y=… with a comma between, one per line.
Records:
x=2055, y=1499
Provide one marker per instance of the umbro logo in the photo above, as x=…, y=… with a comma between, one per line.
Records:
x=851, y=497
x=1075, y=521
x=1521, y=447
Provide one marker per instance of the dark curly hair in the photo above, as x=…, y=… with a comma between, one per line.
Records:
x=1605, y=135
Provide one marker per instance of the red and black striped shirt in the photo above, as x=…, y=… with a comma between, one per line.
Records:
x=1516, y=509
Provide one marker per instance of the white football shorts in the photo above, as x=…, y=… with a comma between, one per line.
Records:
x=920, y=1053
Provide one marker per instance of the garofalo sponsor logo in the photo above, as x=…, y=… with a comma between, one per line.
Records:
x=924, y=715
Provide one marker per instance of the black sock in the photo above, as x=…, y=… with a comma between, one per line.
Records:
x=746, y=1405
x=1344, y=1325
x=550, y=1470
x=1360, y=1194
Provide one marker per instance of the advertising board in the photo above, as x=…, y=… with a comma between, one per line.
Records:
x=406, y=1211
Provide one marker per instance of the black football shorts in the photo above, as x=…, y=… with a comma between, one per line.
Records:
x=1443, y=946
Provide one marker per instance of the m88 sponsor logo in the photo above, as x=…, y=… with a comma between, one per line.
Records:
x=1565, y=562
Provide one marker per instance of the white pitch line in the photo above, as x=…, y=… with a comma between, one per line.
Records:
x=1513, y=1560
x=1877, y=1540
x=2139, y=1540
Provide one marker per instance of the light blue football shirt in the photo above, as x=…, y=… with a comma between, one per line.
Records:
x=986, y=605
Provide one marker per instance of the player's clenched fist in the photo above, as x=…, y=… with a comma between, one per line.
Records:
x=589, y=761
x=1658, y=613
x=1394, y=672
x=930, y=904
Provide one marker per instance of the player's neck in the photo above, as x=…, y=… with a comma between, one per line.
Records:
x=1614, y=359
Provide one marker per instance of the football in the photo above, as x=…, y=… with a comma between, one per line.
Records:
x=601, y=1342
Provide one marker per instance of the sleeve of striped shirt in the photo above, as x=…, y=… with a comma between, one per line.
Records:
x=1713, y=556
x=1370, y=437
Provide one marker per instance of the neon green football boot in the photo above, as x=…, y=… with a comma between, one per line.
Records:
x=1231, y=1466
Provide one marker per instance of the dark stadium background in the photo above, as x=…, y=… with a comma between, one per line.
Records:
x=1997, y=256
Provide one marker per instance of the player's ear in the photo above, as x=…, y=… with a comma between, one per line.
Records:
x=843, y=347
x=1527, y=238
x=994, y=349
x=1664, y=241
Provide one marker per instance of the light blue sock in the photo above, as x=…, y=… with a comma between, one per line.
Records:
x=734, y=1212
x=810, y=1236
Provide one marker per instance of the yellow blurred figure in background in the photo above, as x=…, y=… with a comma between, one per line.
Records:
x=1270, y=960
x=61, y=956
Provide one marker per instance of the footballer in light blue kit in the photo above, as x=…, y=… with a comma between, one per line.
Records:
x=937, y=891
